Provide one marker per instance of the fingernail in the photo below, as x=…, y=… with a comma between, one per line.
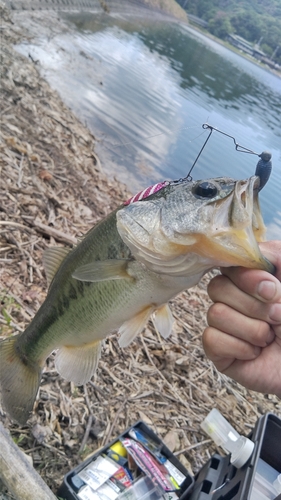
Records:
x=256, y=351
x=275, y=313
x=266, y=289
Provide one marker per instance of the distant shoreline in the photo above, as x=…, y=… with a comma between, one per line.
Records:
x=227, y=45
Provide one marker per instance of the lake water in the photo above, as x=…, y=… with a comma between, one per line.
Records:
x=145, y=85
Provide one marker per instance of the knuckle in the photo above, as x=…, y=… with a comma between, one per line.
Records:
x=256, y=310
x=261, y=333
x=215, y=312
x=209, y=343
x=215, y=285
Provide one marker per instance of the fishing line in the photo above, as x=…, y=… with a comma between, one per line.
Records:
x=149, y=156
x=112, y=147
x=121, y=144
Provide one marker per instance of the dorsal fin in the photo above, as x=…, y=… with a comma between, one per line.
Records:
x=52, y=259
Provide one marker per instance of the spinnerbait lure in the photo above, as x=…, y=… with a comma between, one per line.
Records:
x=264, y=165
x=263, y=168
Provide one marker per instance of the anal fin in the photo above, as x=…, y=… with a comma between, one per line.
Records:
x=78, y=364
x=163, y=321
x=130, y=329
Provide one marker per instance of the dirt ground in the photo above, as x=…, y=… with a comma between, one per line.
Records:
x=52, y=191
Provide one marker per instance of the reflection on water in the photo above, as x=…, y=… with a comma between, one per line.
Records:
x=145, y=87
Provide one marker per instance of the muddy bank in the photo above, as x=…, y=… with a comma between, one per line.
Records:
x=53, y=189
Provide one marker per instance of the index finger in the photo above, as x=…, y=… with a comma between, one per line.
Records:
x=254, y=282
x=257, y=283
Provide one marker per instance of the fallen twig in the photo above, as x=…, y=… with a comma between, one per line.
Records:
x=192, y=446
x=51, y=231
x=89, y=423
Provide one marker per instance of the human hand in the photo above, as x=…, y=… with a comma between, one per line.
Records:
x=243, y=338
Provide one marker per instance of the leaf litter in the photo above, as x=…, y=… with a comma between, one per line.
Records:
x=53, y=190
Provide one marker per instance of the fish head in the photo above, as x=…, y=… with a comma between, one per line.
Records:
x=190, y=226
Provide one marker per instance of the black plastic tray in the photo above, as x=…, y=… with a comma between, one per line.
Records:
x=67, y=492
x=220, y=480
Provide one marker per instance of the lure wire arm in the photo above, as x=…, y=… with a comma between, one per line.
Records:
x=188, y=177
x=263, y=171
x=238, y=147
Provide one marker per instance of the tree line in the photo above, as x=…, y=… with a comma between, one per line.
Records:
x=258, y=21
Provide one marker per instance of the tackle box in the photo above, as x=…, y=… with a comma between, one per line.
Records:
x=218, y=479
x=70, y=488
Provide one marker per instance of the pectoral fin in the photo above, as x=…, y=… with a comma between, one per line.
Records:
x=130, y=329
x=103, y=270
x=78, y=364
x=52, y=259
x=163, y=321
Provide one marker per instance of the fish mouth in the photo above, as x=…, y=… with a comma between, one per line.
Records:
x=237, y=228
x=199, y=235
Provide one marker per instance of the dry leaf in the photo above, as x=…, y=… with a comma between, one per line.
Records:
x=45, y=175
x=172, y=440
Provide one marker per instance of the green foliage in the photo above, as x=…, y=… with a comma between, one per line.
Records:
x=220, y=25
x=266, y=49
x=248, y=24
x=6, y=316
x=254, y=20
x=8, y=307
x=19, y=440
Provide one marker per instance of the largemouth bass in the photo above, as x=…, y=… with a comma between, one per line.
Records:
x=124, y=271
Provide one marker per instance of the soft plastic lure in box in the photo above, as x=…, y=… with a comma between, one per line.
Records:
x=148, y=464
x=148, y=443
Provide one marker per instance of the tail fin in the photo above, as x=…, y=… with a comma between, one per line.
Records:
x=19, y=382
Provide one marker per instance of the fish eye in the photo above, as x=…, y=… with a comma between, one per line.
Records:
x=205, y=190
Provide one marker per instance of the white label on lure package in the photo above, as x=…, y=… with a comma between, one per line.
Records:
x=107, y=491
x=87, y=493
x=178, y=476
x=98, y=472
